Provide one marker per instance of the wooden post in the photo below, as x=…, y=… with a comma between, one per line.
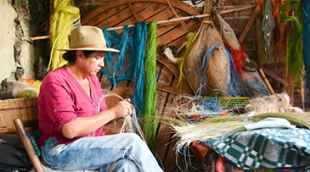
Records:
x=28, y=145
x=266, y=81
x=208, y=7
x=249, y=24
x=261, y=56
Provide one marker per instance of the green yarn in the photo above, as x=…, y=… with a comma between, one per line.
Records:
x=190, y=39
x=294, y=55
x=150, y=84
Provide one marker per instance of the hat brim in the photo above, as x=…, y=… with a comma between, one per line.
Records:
x=90, y=49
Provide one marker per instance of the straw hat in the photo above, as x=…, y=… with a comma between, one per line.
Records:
x=88, y=38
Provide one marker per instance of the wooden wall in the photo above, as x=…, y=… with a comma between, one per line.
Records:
x=237, y=20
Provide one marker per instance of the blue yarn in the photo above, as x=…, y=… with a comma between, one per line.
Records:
x=123, y=43
x=139, y=42
x=212, y=105
x=232, y=89
x=306, y=40
x=131, y=43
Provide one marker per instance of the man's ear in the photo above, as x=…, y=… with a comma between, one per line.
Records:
x=79, y=54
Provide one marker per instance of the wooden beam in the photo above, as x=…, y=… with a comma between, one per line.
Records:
x=134, y=12
x=275, y=77
x=169, y=65
x=266, y=81
x=237, y=9
x=249, y=24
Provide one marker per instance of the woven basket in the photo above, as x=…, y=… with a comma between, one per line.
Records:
x=24, y=108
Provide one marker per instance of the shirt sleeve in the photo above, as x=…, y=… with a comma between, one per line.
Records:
x=59, y=103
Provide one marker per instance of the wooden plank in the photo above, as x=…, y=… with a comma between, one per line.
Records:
x=134, y=12
x=261, y=56
x=249, y=24
x=178, y=32
x=124, y=15
x=105, y=15
x=169, y=65
x=275, y=77
x=145, y=13
x=170, y=157
x=178, y=42
x=152, y=10
x=168, y=89
x=161, y=95
x=116, y=3
x=162, y=15
x=162, y=29
x=165, y=79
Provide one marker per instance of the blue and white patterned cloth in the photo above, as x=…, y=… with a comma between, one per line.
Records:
x=265, y=148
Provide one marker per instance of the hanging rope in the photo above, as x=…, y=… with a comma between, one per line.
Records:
x=61, y=25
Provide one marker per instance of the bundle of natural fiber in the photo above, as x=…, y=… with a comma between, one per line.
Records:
x=207, y=60
x=130, y=123
x=224, y=125
x=149, y=109
x=249, y=77
x=232, y=44
x=272, y=104
x=187, y=107
x=294, y=56
x=61, y=25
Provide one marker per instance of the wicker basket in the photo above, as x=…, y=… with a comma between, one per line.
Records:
x=24, y=108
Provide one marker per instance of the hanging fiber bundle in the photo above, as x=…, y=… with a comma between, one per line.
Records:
x=272, y=104
x=294, y=56
x=232, y=44
x=268, y=27
x=129, y=63
x=119, y=66
x=139, y=42
x=306, y=40
x=190, y=37
x=214, y=66
x=251, y=80
x=61, y=25
x=149, y=110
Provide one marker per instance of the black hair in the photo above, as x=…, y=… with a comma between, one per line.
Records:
x=70, y=56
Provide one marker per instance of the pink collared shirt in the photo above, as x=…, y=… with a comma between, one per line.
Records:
x=62, y=99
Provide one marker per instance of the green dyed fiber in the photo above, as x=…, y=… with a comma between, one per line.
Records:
x=294, y=55
x=190, y=39
x=149, y=110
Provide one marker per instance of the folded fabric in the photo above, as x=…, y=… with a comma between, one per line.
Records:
x=264, y=148
x=270, y=123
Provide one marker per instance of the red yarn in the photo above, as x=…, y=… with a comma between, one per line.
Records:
x=238, y=57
